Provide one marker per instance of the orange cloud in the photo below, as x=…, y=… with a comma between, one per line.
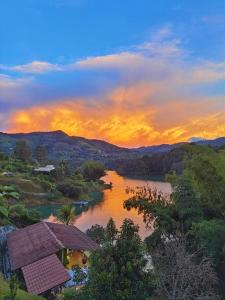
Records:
x=158, y=97
x=125, y=118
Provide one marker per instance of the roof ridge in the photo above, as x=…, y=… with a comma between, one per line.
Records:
x=53, y=235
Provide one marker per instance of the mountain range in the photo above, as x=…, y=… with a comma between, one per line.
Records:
x=59, y=145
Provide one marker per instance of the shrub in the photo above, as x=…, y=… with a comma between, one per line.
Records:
x=70, y=189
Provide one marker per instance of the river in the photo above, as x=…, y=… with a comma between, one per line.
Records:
x=112, y=203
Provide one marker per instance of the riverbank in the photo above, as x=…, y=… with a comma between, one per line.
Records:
x=110, y=204
x=33, y=192
x=160, y=178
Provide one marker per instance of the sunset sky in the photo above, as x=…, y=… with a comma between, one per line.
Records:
x=131, y=72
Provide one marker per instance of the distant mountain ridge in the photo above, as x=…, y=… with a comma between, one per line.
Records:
x=60, y=146
x=77, y=149
x=218, y=142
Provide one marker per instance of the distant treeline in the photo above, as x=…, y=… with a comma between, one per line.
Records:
x=158, y=164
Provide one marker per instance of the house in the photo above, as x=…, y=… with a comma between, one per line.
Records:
x=46, y=170
x=36, y=253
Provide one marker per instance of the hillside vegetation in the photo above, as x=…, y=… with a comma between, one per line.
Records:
x=60, y=146
x=21, y=187
x=21, y=295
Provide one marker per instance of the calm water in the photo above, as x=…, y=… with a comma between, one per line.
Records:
x=112, y=203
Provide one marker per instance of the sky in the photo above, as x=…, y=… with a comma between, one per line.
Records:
x=131, y=72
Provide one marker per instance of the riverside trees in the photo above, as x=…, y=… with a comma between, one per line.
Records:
x=118, y=268
x=195, y=213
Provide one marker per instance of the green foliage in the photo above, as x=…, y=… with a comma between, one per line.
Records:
x=111, y=231
x=4, y=212
x=196, y=208
x=70, y=189
x=21, y=295
x=208, y=180
x=21, y=216
x=13, y=285
x=158, y=212
x=210, y=235
x=23, y=151
x=92, y=170
x=117, y=268
x=66, y=214
x=80, y=294
x=9, y=192
x=97, y=233
x=187, y=203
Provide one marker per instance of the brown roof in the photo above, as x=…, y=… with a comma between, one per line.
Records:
x=44, y=274
x=31, y=244
x=72, y=238
x=37, y=241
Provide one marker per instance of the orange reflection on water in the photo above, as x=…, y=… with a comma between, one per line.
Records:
x=112, y=203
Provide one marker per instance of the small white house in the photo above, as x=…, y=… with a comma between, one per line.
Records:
x=46, y=169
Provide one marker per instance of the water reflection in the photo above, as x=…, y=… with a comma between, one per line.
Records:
x=112, y=203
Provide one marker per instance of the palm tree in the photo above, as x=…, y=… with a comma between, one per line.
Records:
x=66, y=214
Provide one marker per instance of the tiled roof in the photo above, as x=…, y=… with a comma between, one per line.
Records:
x=31, y=244
x=71, y=237
x=44, y=274
x=40, y=240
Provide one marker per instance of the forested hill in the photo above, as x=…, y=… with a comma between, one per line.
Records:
x=60, y=146
x=149, y=161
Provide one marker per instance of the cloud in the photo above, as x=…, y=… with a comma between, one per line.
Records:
x=35, y=67
x=157, y=94
x=208, y=72
x=129, y=116
x=8, y=82
x=120, y=61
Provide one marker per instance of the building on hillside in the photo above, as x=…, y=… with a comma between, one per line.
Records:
x=36, y=253
x=46, y=170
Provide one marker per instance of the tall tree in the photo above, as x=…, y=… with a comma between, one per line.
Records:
x=23, y=151
x=111, y=231
x=40, y=154
x=118, y=267
x=92, y=170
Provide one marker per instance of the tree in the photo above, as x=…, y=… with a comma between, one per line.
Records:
x=210, y=236
x=187, y=203
x=66, y=214
x=13, y=285
x=158, y=212
x=70, y=188
x=111, y=231
x=23, y=151
x=97, y=233
x=209, y=181
x=40, y=154
x=92, y=170
x=181, y=274
x=117, y=268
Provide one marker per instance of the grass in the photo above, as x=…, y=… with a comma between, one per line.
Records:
x=22, y=184
x=21, y=295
